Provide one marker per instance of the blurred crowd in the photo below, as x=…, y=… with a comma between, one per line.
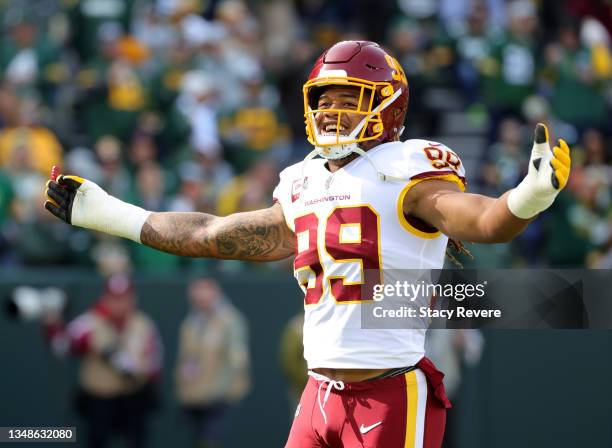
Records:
x=195, y=105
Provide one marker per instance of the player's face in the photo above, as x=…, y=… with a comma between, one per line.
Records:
x=340, y=97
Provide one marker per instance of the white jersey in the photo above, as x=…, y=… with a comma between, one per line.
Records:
x=348, y=222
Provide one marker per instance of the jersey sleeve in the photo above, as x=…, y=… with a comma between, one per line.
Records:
x=431, y=160
x=286, y=191
x=281, y=192
x=425, y=160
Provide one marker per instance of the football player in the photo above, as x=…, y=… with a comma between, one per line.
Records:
x=368, y=202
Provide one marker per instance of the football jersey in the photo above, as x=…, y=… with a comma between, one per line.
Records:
x=350, y=222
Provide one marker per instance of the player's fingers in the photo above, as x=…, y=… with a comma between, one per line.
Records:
x=52, y=201
x=55, y=186
x=561, y=179
x=540, y=134
x=562, y=156
x=559, y=166
x=56, y=211
x=59, y=190
x=540, y=145
x=59, y=199
x=560, y=174
x=70, y=182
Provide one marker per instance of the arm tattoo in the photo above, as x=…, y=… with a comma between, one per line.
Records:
x=261, y=235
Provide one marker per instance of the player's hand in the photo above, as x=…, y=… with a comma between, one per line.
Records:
x=547, y=176
x=83, y=203
x=61, y=194
x=70, y=197
x=549, y=169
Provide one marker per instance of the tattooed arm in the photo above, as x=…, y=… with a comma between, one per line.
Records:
x=261, y=235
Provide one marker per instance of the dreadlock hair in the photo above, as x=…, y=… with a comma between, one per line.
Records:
x=459, y=248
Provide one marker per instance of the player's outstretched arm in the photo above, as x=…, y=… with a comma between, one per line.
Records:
x=260, y=235
x=482, y=219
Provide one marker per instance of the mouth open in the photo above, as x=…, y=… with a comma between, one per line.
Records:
x=332, y=129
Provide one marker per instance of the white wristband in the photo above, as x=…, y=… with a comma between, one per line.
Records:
x=524, y=204
x=93, y=208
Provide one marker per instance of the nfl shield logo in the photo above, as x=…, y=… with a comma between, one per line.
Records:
x=297, y=187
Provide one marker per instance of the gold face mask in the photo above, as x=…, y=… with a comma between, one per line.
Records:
x=361, y=114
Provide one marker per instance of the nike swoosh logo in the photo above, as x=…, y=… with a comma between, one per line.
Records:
x=365, y=429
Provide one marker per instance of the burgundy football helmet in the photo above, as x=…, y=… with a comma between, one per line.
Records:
x=366, y=66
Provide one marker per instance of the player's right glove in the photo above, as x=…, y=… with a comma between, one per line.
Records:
x=83, y=203
x=547, y=176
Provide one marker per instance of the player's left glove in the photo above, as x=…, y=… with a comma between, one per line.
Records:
x=547, y=176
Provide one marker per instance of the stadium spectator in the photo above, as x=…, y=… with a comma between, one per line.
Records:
x=506, y=160
x=536, y=109
x=113, y=89
x=587, y=209
x=30, y=61
x=38, y=241
x=85, y=23
x=166, y=83
x=197, y=103
x=149, y=190
x=114, y=174
x=199, y=185
x=454, y=14
x=150, y=186
x=568, y=227
x=577, y=95
x=27, y=140
x=470, y=43
x=250, y=191
x=510, y=72
x=190, y=197
x=256, y=127
x=212, y=370
x=121, y=359
x=410, y=41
